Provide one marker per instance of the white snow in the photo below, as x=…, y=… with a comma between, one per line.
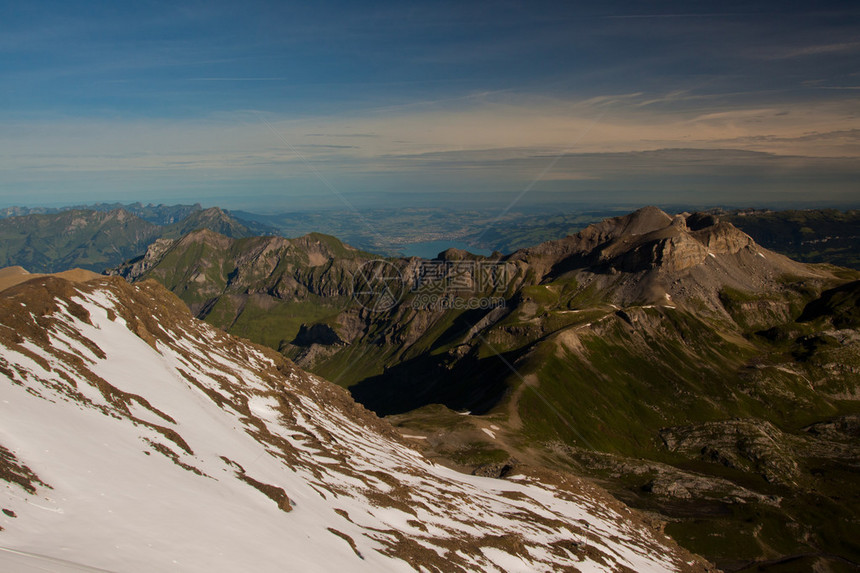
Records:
x=120, y=501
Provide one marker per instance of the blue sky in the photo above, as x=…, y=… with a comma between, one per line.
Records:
x=276, y=105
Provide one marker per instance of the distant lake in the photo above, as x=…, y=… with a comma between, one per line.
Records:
x=429, y=249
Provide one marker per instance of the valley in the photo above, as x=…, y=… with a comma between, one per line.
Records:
x=688, y=369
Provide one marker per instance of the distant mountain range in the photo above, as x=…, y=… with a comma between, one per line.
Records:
x=157, y=214
x=693, y=371
x=809, y=235
x=96, y=239
x=136, y=438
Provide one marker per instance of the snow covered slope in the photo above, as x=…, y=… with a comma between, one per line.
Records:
x=136, y=438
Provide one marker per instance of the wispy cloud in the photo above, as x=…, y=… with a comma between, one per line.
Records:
x=677, y=15
x=239, y=79
x=403, y=95
x=518, y=133
x=341, y=135
x=814, y=50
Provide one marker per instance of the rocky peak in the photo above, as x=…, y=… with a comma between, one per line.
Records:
x=215, y=219
x=651, y=239
x=213, y=213
x=120, y=215
x=645, y=220
x=206, y=236
x=454, y=254
x=136, y=267
x=649, y=254
x=720, y=237
x=648, y=239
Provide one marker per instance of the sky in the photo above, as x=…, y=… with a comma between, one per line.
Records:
x=276, y=106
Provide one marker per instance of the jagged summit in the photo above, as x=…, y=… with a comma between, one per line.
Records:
x=237, y=281
x=651, y=239
x=454, y=254
x=136, y=438
x=617, y=237
x=209, y=216
x=316, y=246
x=688, y=254
x=207, y=236
x=640, y=222
x=214, y=219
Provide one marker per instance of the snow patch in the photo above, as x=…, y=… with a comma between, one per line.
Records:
x=249, y=450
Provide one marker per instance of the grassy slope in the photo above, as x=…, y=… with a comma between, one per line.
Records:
x=624, y=384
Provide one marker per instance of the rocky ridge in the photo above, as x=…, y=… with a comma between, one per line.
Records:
x=685, y=256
